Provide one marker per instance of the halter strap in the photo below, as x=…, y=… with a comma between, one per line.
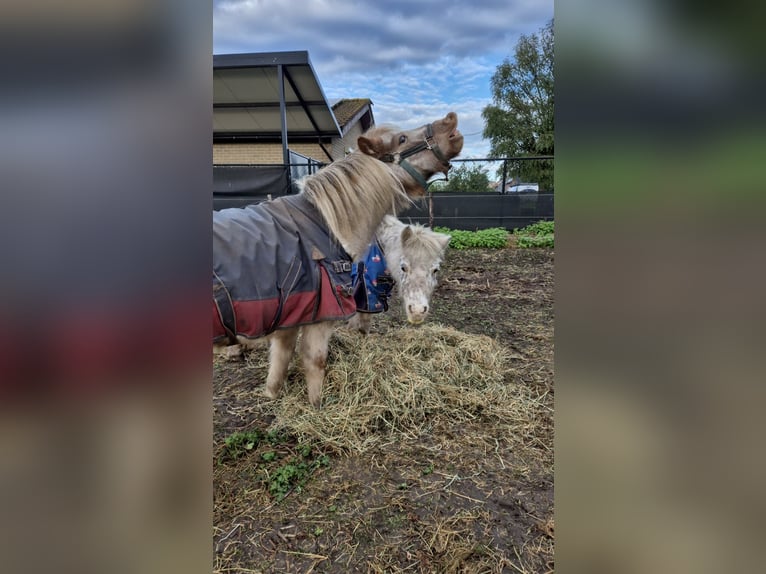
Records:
x=427, y=144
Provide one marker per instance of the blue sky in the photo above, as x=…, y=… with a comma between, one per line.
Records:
x=415, y=60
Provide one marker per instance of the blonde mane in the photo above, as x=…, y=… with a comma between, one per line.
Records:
x=352, y=195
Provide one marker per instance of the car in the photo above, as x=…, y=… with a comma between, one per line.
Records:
x=522, y=188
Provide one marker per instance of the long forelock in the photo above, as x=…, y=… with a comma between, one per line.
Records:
x=426, y=241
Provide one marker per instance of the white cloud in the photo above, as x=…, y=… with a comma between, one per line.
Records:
x=376, y=33
x=416, y=59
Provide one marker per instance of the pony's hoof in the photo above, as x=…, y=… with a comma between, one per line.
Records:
x=269, y=394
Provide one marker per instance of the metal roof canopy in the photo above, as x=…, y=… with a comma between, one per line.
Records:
x=270, y=96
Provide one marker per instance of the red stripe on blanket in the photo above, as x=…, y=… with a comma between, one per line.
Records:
x=256, y=318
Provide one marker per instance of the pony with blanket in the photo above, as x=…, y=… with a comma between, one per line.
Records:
x=284, y=266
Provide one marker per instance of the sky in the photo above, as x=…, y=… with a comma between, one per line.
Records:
x=416, y=60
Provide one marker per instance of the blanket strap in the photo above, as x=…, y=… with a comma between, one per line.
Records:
x=225, y=307
x=341, y=266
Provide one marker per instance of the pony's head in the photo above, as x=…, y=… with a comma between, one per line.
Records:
x=418, y=154
x=414, y=254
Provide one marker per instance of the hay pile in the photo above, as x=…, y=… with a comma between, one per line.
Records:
x=383, y=388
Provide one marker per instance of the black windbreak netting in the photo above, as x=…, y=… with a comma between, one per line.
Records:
x=236, y=186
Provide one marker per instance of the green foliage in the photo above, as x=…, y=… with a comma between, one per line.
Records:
x=294, y=474
x=275, y=437
x=493, y=238
x=238, y=444
x=465, y=177
x=289, y=476
x=520, y=120
x=538, y=234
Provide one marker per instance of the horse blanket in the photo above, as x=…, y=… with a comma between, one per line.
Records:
x=276, y=266
x=372, y=281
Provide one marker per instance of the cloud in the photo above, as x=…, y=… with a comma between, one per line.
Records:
x=380, y=34
x=415, y=59
x=414, y=95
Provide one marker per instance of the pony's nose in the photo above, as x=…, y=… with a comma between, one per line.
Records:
x=416, y=313
x=417, y=309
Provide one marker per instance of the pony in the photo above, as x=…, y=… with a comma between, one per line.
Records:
x=413, y=254
x=283, y=267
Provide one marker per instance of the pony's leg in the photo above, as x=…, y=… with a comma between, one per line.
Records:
x=314, y=352
x=281, y=349
x=361, y=322
x=228, y=351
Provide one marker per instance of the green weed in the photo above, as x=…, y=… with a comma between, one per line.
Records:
x=492, y=238
x=538, y=234
x=293, y=475
x=239, y=444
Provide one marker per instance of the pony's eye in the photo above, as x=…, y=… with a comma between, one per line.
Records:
x=435, y=271
x=402, y=138
x=404, y=269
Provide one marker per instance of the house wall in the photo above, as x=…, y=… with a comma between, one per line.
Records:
x=340, y=145
x=271, y=153
x=258, y=153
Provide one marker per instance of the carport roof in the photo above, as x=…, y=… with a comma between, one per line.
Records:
x=250, y=99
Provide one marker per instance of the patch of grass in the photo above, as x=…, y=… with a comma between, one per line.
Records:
x=493, y=238
x=238, y=444
x=293, y=475
x=276, y=437
x=538, y=234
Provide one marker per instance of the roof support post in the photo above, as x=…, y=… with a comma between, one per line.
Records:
x=283, y=113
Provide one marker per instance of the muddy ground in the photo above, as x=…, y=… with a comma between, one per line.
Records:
x=457, y=498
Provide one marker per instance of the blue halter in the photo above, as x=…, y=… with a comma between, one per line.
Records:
x=372, y=281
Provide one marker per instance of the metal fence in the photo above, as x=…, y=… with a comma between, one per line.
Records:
x=505, y=174
x=240, y=185
x=472, y=211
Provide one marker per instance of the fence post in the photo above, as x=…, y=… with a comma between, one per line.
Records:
x=430, y=210
x=505, y=173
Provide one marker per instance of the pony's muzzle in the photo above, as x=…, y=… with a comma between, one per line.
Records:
x=416, y=314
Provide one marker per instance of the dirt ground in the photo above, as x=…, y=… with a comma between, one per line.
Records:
x=458, y=498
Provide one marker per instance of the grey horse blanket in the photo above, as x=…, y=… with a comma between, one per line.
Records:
x=276, y=266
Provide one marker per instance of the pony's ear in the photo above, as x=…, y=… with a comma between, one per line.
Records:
x=406, y=234
x=370, y=146
x=443, y=240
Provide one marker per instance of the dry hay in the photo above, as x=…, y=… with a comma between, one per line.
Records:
x=386, y=388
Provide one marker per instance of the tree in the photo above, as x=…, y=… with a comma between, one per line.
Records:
x=520, y=120
x=464, y=177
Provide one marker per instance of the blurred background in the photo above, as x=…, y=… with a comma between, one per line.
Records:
x=105, y=414
x=659, y=282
